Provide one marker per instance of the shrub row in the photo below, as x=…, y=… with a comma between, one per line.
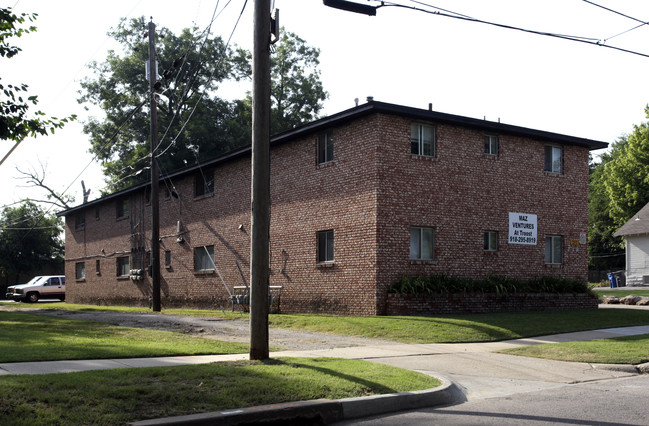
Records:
x=446, y=284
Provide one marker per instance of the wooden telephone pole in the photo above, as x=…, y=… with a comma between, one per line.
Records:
x=155, y=208
x=260, y=183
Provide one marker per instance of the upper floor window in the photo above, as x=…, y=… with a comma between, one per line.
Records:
x=325, y=147
x=421, y=243
x=204, y=183
x=422, y=140
x=204, y=258
x=491, y=145
x=491, y=240
x=553, y=159
x=80, y=221
x=122, y=208
x=326, y=246
x=554, y=249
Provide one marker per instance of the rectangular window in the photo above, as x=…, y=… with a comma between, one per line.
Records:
x=491, y=240
x=491, y=145
x=147, y=195
x=204, y=258
x=422, y=140
x=554, y=249
x=98, y=267
x=421, y=243
x=97, y=213
x=122, y=209
x=80, y=221
x=123, y=266
x=326, y=246
x=80, y=270
x=325, y=147
x=553, y=159
x=167, y=258
x=204, y=183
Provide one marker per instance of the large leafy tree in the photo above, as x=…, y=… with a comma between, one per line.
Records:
x=30, y=242
x=619, y=188
x=195, y=123
x=16, y=121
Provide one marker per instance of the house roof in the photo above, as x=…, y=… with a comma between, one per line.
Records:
x=371, y=107
x=638, y=224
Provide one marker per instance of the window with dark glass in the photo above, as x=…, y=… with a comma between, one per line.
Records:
x=326, y=246
x=123, y=266
x=553, y=159
x=122, y=209
x=421, y=243
x=204, y=183
x=325, y=147
x=491, y=145
x=80, y=221
x=204, y=258
x=554, y=249
x=491, y=241
x=422, y=140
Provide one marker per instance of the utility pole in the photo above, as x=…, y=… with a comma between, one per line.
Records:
x=155, y=208
x=260, y=183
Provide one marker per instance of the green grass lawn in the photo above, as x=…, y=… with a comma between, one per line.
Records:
x=120, y=396
x=603, y=291
x=619, y=350
x=31, y=337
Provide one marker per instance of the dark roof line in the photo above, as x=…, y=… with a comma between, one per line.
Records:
x=371, y=107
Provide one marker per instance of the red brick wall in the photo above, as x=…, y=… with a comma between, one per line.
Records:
x=405, y=304
x=370, y=195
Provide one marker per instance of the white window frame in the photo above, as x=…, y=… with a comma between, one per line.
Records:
x=204, y=258
x=420, y=248
x=325, y=247
x=326, y=147
x=491, y=144
x=553, y=249
x=490, y=241
x=418, y=141
x=553, y=158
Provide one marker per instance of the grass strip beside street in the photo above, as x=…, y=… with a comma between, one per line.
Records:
x=120, y=396
x=619, y=292
x=618, y=350
x=465, y=328
x=31, y=337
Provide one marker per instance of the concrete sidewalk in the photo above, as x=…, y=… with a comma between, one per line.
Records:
x=467, y=371
x=395, y=350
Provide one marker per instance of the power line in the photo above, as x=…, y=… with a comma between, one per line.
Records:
x=580, y=39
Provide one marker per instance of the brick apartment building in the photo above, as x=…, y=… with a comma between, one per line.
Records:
x=359, y=199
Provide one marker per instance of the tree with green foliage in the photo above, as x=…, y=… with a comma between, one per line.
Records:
x=604, y=249
x=195, y=123
x=29, y=242
x=15, y=121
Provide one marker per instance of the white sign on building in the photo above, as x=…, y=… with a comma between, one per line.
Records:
x=522, y=228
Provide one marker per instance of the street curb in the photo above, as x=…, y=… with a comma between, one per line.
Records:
x=321, y=411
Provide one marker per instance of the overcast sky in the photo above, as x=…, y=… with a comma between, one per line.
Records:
x=400, y=56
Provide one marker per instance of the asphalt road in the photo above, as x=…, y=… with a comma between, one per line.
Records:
x=619, y=401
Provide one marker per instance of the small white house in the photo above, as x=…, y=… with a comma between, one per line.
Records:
x=636, y=235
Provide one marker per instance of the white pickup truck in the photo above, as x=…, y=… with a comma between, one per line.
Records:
x=44, y=287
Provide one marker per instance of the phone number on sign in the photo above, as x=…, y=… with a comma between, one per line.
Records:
x=522, y=240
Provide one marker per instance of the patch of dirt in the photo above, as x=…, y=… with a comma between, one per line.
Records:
x=213, y=328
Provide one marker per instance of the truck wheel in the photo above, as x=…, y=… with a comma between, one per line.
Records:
x=32, y=297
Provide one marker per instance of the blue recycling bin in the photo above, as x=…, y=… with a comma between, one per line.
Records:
x=612, y=280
